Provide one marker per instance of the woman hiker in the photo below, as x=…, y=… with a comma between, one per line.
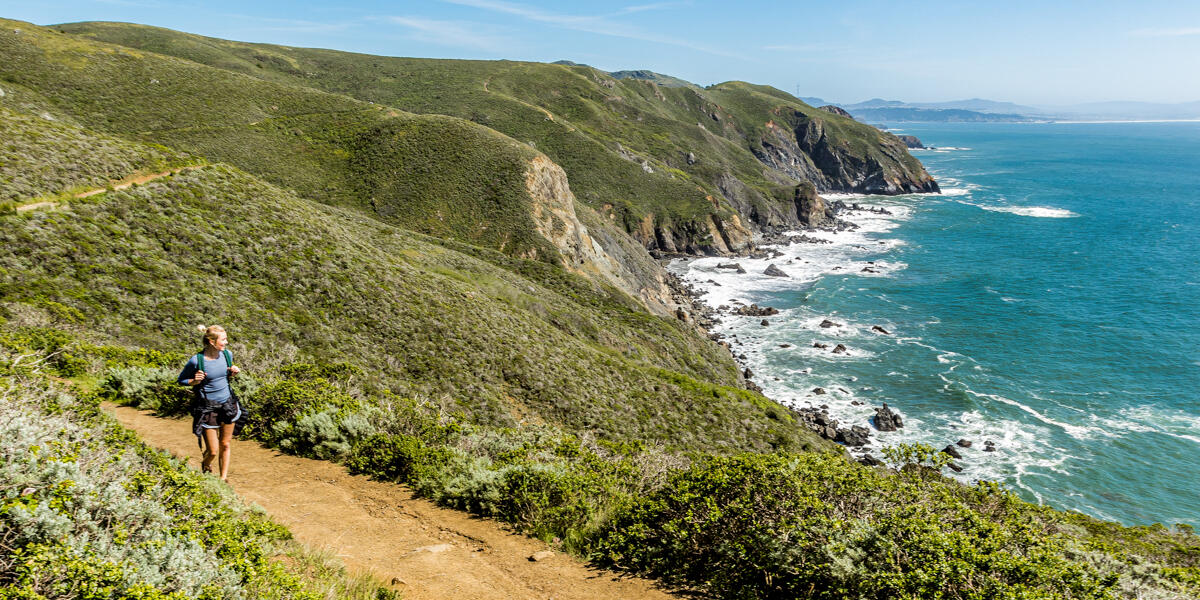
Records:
x=215, y=409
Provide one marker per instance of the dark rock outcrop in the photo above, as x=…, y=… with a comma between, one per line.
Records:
x=827, y=324
x=887, y=419
x=870, y=461
x=755, y=310
x=952, y=451
x=878, y=329
x=837, y=110
x=839, y=349
x=911, y=141
x=855, y=436
x=774, y=271
x=964, y=443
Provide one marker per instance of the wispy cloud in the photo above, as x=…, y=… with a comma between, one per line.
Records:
x=597, y=24
x=292, y=25
x=450, y=33
x=647, y=7
x=796, y=47
x=1171, y=32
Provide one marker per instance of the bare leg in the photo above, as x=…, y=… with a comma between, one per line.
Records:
x=210, y=450
x=226, y=449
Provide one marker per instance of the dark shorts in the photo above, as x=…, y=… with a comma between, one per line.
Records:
x=212, y=416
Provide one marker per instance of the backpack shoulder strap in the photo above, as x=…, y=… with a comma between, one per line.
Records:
x=200, y=361
x=228, y=358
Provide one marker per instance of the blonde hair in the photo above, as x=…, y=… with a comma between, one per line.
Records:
x=210, y=334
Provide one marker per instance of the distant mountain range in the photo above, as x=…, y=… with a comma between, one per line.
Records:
x=878, y=110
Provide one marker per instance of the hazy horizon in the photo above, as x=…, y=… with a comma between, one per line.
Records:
x=1020, y=52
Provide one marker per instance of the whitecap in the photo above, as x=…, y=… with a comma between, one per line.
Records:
x=1044, y=212
x=955, y=191
x=1078, y=432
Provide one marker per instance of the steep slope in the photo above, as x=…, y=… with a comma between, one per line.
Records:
x=439, y=175
x=454, y=323
x=42, y=157
x=681, y=168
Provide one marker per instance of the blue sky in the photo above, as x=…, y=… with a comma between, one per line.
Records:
x=1025, y=52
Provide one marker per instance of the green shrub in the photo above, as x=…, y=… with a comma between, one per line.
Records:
x=785, y=526
x=401, y=458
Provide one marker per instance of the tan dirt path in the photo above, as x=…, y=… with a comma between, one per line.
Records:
x=381, y=528
x=119, y=185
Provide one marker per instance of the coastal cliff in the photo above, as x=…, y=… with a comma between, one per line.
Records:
x=683, y=169
x=591, y=250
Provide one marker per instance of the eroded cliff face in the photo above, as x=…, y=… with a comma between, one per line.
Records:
x=803, y=148
x=590, y=246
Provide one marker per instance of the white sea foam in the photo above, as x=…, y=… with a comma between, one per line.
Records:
x=1078, y=432
x=1045, y=212
x=955, y=191
x=1152, y=419
x=1022, y=446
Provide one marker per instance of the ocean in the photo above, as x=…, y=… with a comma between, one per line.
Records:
x=1047, y=301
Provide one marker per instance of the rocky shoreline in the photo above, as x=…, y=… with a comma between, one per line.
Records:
x=854, y=436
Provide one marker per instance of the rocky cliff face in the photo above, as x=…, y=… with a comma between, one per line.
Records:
x=879, y=169
x=587, y=244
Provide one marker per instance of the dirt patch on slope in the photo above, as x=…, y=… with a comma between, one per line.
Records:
x=429, y=551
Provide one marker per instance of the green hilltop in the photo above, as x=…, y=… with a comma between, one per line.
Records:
x=681, y=168
x=436, y=273
x=435, y=174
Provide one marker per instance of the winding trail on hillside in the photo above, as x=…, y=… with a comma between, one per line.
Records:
x=118, y=185
x=427, y=551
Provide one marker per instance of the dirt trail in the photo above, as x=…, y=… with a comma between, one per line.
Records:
x=120, y=185
x=382, y=528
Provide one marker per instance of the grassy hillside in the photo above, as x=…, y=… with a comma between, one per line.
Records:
x=625, y=143
x=40, y=157
x=439, y=175
x=294, y=279
x=500, y=385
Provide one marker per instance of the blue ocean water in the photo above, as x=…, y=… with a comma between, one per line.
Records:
x=1048, y=301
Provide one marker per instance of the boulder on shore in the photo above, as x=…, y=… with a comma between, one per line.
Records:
x=887, y=419
x=755, y=310
x=855, y=436
x=870, y=461
x=775, y=271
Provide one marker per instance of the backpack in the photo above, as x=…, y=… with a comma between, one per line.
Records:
x=199, y=401
x=200, y=360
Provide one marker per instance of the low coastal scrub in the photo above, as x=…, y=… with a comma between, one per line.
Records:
x=499, y=338
x=39, y=157
x=88, y=511
x=741, y=525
